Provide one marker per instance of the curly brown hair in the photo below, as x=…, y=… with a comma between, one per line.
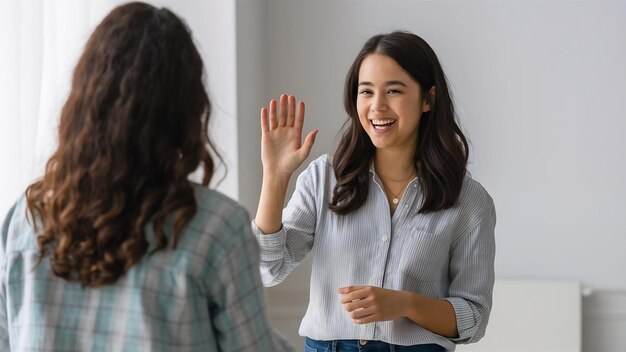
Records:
x=131, y=131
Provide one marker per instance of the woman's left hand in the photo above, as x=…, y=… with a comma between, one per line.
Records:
x=368, y=304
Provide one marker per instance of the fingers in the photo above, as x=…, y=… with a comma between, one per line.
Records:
x=282, y=112
x=299, y=117
x=348, y=289
x=356, y=304
x=364, y=304
x=367, y=319
x=287, y=113
x=291, y=110
x=265, y=126
x=354, y=293
x=362, y=313
x=272, y=118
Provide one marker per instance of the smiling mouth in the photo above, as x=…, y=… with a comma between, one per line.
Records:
x=382, y=124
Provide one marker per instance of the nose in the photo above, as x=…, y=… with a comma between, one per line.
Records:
x=379, y=103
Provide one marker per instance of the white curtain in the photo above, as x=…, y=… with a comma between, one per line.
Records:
x=41, y=41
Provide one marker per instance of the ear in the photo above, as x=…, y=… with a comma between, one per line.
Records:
x=430, y=101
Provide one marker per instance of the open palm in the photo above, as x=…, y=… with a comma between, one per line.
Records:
x=282, y=150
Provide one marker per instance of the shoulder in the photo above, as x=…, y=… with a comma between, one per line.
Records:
x=322, y=163
x=319, y=169
x=474, y=193
x=16, y=227
x=474, y=200
x=218, y=209
x=219, y=228
x=318, y=177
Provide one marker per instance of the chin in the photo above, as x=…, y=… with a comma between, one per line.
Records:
x=380, y=145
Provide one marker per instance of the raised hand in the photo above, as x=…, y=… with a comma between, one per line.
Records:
x=282, y=150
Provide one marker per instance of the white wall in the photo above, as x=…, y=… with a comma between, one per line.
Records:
x=539, y=88
x=252, y=65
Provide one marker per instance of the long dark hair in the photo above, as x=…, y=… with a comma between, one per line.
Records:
x=440, y=158
x=131, y=131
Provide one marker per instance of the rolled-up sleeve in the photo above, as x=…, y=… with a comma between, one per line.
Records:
x=282, y=251
x=472, y=277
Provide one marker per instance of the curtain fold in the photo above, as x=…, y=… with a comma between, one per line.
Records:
x=41, y=41
x=20, y=72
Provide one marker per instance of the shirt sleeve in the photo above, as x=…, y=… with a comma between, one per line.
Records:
x=472, y=277
x=4, y=323
x=282, y=251
x=238, y=303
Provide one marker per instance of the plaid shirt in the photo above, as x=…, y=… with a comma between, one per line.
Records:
x=206, y=295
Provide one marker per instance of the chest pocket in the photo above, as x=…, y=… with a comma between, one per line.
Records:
x=423, y=255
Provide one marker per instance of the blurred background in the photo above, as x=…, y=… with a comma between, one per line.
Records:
x=539, y=88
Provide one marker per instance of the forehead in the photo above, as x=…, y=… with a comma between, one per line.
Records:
x=378, y=68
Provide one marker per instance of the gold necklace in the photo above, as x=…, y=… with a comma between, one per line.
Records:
x=395, y=200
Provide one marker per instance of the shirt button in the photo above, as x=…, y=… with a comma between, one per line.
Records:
x=384, y=238
x=362, y=342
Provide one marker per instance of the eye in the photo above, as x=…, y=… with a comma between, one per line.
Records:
x=393, y=91
x=365, y=92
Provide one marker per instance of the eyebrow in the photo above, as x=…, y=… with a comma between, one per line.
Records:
x=388, y=83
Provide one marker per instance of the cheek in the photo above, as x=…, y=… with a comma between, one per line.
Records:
x=362, y=110
x=414, y=113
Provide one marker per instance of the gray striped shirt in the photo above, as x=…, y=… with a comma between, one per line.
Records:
x=447, y=254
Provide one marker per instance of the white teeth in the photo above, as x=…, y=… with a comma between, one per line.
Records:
x=382, y=122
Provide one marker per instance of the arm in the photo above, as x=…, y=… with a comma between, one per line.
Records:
x=282, y=153
x=282, y=251
x=472, y=277
x=463, y=315
x=368, y=304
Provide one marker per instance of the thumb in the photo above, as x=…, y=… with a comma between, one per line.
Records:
x=308, y=144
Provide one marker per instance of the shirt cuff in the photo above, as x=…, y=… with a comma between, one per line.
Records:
x=466, y=322
x=272, y=245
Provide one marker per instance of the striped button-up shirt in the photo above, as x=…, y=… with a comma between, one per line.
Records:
x=206, y=295
x=447, y=254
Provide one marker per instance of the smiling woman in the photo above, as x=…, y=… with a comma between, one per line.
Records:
x=402, y=239
x=386, y=104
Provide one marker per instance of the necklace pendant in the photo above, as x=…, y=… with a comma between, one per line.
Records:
x=395, y=200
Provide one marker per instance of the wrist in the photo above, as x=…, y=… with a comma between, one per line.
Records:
x=276, y=175
x=276, y=178
x=412, y=305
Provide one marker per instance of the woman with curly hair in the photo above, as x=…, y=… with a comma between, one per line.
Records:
x=114, y=248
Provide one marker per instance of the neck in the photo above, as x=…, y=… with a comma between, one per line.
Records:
x=394, y=165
